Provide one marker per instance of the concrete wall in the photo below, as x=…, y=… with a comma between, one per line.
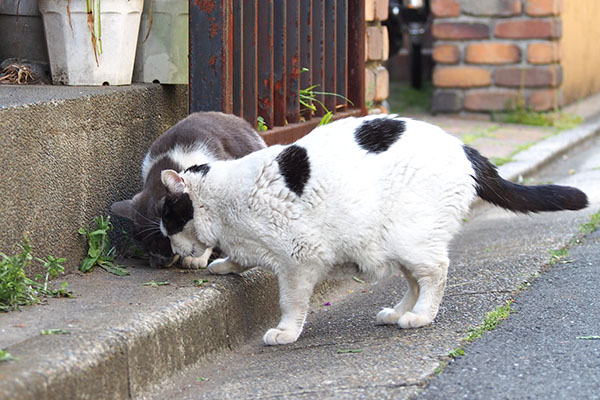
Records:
x=60, y=169
x=579, y=44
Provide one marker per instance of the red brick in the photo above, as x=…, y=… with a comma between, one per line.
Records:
x=445, y=8
x=369, y=10
x=540, y=8
x=489, y=100
x=545, y=99
x=501, y=8
x=464, y=77
x=460, y=30
x=381, y=10
x=544, y=53
x=529, y=29
x=375, y=43
x=492, y=53
x=446, y=54
x=528, y=77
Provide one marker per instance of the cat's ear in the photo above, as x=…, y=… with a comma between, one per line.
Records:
x=123, y=209
x=172, y=181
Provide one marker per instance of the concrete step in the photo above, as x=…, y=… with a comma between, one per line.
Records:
x=68, y=152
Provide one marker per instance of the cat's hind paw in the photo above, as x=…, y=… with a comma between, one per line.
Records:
x=411, y=320
x=387, y=316
x=276, y=336
x=224, y=266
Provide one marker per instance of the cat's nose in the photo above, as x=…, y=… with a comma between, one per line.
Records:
x=158, y=261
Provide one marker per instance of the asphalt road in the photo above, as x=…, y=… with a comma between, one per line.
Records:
x=535, y=353
x=550, y=346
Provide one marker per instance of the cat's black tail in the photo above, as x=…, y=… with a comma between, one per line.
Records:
x=519, y=198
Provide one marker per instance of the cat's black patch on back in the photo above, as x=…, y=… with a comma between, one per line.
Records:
x=202, y=169
x=294, y=167
x=177, y=211
x=377, y=135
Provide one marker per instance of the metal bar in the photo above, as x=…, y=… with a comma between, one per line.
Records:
x=356, y=53
x=305, y=50
x=265, y=60
x=292, y=61
x=330, y=57
x=238, y=58
x=249, y=87
x=292, y=132
x=317, y=72
x=341, y=41
x=279, y=62
x=211, y=70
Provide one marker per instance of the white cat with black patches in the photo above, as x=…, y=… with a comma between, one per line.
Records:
x=199, y=138
x=381, y=192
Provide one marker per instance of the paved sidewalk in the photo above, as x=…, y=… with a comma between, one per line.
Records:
x=126, y=337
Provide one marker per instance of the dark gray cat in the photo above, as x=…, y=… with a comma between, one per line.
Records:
x=200, y=138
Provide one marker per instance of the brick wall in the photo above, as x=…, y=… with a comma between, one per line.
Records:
x=489, y=53
x=376, y=52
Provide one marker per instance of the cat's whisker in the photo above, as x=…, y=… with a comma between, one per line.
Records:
x=152, y=221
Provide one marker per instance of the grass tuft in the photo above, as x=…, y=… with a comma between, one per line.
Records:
x=16, y=289
x=491, y=320
x=100, y=252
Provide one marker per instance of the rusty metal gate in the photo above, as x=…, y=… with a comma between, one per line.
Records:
x=252, y=58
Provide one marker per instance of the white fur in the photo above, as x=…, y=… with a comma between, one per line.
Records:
x=186, y=156
x=397, y=210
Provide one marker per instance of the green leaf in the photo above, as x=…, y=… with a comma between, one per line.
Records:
x=55, y=332
x=87, y=263
x=345, y=351
x=155, y=284
x=6, y=356
x=113, y=268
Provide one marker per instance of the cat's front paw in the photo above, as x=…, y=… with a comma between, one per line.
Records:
x=411, y=320
x=387, y=316
x=190, y=262
x=276, y=336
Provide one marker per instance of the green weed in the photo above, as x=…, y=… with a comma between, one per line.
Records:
x=346, y=351
x=199, y=282
x=16, y=289
x=261, y=126
x=156, y=284
x=100, y=252
x=518, y=113
x=592, y=225
x=559, y=255
x=54, y=332
x=308, y=100
x=491, y=320
x=6, y=356
x=499, y=161
x=458, y=352
x=404, y=99
x=594, y=337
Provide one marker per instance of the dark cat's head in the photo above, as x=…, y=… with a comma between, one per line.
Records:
x=145, y=215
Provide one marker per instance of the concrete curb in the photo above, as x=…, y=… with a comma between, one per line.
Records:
x=537, y=156
x=126, y=360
